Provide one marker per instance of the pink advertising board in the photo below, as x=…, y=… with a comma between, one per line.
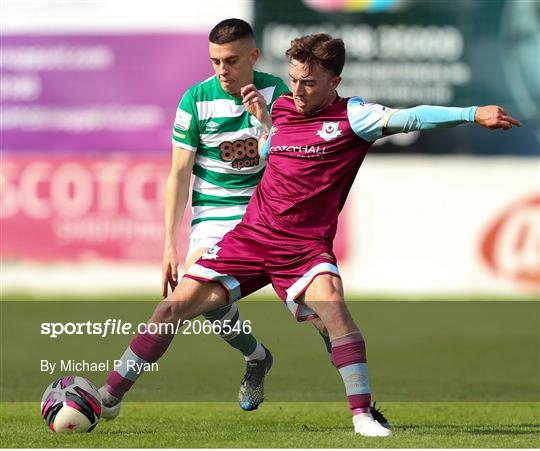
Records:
x=58, y=207
x=93, y=206
x=86, y=143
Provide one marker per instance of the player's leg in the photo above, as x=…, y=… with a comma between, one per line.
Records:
x=258, y=358
x=244, y=342
x=245, y=259
x=323, y=332
x=190, y=299
x=325, y=297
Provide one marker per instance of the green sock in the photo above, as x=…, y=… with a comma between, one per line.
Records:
x=232, y=331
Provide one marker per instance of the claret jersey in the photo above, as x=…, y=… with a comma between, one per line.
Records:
x=313, y=160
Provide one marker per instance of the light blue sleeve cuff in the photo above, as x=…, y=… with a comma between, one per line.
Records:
x=266, y=148
x=469, y=113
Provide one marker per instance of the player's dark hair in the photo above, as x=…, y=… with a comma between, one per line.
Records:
x=320, y=48
x=230, y=30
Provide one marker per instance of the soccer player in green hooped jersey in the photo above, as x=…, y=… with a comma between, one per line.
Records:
x=215, y=137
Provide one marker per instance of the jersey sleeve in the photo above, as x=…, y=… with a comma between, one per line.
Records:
x=265, y=149
x=368, y=120
x=185, y=133
x=427, y=117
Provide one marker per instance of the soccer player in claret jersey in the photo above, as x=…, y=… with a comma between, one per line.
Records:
x=215, y=137
x=317, y=144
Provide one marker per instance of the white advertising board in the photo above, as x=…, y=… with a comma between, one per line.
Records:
x=99, y=16
x=444, y=225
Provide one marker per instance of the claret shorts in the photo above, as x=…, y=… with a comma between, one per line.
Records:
x=247, y=259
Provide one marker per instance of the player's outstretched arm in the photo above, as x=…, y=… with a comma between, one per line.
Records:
x=495, y=117
x=256, y=105
x=176, y=198
x=427, y=117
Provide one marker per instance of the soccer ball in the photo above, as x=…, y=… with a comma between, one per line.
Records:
x=71, y=404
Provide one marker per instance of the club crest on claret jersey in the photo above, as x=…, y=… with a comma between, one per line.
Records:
x=329, y=131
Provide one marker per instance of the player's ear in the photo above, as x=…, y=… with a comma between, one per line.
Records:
x=254, y=55
x=336, y=80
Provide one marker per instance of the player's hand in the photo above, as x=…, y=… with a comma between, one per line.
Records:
x=169, y=276
x=255, y=104
x=495, y=117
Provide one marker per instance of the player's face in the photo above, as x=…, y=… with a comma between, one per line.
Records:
x=313, y=88
x=233, y=63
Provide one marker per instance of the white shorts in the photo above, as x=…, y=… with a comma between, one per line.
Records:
x=207, y=233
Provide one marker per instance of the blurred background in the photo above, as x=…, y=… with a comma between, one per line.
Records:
x=89, y=91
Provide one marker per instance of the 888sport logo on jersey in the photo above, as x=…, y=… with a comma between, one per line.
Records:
x=242, y=153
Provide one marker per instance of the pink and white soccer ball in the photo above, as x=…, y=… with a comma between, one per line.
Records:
x=71, y=404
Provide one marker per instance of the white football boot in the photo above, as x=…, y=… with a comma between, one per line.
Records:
x=365, y=425
x=110, y=404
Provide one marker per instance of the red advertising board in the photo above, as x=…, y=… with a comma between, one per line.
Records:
x=511, y=245
x=60, y=207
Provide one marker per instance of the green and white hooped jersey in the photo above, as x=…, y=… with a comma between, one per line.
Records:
x=225, y=136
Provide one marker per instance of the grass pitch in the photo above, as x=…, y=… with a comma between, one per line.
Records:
x=284, y=425
x=447, y=374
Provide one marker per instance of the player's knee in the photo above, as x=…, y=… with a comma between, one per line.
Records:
x=176, y=310
x=339, y=321
x=185, y=292
x=335, y=297
x=335, y=306
x=192, y=298
x=163, y=313
x=177, y=306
